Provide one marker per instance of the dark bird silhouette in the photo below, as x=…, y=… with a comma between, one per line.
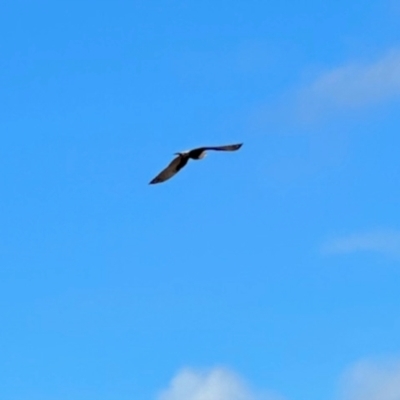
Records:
x=195, y=154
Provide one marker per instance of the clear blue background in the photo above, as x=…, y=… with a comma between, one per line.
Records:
x=108, y=286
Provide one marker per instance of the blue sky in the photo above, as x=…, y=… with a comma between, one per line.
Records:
x=270, y=273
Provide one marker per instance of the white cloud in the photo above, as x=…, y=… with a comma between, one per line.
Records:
x=365, y=380
x=372, y=381
x=354, y=85
x=385, y=241
x=215, y=384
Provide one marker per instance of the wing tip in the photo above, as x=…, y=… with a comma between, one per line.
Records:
x=237, y=146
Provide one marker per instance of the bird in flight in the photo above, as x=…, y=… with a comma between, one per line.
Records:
x=182, y=158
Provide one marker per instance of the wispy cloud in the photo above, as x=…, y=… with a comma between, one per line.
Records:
x=386, y=242
x=353, y=85
x=372, y=381
x=342, y=90
x=215, y=384
x=365, y=380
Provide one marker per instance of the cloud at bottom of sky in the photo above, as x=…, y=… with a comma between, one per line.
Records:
x=365, y=380
x=213, y=384
x=369, y=380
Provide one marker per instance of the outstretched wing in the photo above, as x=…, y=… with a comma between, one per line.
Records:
x=229, y=147
x=167, y=173
x=195, y=153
